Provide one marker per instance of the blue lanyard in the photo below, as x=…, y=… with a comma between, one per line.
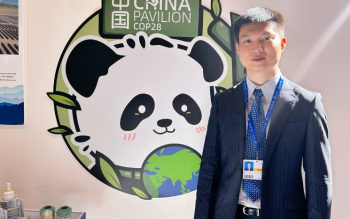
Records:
x=269, y=112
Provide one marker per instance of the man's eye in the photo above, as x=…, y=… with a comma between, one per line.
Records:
x=248, y=41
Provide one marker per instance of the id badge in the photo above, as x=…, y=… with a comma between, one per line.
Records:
x=252, y=169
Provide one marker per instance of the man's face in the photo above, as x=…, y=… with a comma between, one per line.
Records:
x=260, y=47
x=248, y=164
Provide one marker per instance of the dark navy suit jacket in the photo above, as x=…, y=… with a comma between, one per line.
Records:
x=297, y=136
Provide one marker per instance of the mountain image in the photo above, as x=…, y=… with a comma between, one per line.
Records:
x=13, y=95
x=11, y=105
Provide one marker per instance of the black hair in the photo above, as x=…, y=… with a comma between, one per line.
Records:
x=259, y=15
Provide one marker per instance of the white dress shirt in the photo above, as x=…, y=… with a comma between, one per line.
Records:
x=268, y=90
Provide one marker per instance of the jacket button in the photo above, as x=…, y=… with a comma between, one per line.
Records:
x=237, y=197
x=263, y=174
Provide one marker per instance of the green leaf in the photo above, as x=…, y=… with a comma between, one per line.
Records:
x=64, y=100
x=139, y=193
x=109, y=174
x=63, y=130
x=216, y=7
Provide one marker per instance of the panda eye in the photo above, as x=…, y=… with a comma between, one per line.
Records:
x=138, y=109
x=142, y=109
x=185, y=106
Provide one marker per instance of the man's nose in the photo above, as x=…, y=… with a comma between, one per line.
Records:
x=257, y=47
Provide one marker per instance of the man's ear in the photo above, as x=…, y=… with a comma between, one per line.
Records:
x=283, y=43
x=86, y=63
x=209, y=56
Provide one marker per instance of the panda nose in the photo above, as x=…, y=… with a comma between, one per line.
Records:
x=164, y=123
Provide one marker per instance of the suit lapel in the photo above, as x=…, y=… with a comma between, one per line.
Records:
x=237, y=104
x=280, y=114
x=239, y=128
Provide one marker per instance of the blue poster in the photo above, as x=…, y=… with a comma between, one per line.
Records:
x=11, y=62
x=11, y=105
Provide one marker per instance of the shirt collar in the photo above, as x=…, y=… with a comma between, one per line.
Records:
x=268, y=88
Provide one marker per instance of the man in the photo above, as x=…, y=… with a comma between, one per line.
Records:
x=248, y=167
x=275, y=123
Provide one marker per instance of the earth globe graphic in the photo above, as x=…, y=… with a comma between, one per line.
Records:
x=170, y=171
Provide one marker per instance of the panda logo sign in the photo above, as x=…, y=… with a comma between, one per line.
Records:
x=134, y=111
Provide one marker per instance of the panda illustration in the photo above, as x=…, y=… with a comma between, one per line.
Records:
x=142, y=97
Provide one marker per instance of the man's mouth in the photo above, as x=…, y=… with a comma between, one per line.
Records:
x=258, y=59
x=166, y=131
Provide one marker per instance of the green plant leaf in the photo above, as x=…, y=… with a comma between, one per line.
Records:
x=61, y=130
x=109, y=174
x=139, y=193
x=64, y=100
x=216, y=7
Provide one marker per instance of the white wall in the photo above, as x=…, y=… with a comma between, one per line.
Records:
x=42, y=169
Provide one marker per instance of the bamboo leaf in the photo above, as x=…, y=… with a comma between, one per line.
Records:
x=109, y=174
x=139, y=193
x=63, y=130
x=216, y=7
x=64, y=100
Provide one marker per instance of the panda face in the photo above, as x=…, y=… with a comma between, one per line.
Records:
x=142, y=106
x=151, y=96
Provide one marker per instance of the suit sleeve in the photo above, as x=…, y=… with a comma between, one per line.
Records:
x=317, y=164
x=210, y=167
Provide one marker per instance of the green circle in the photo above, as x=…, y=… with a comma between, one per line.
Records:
x=90, y=27
x=64, y=211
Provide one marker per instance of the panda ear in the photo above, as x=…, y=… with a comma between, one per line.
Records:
x=209, y=59
x=87, y=62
